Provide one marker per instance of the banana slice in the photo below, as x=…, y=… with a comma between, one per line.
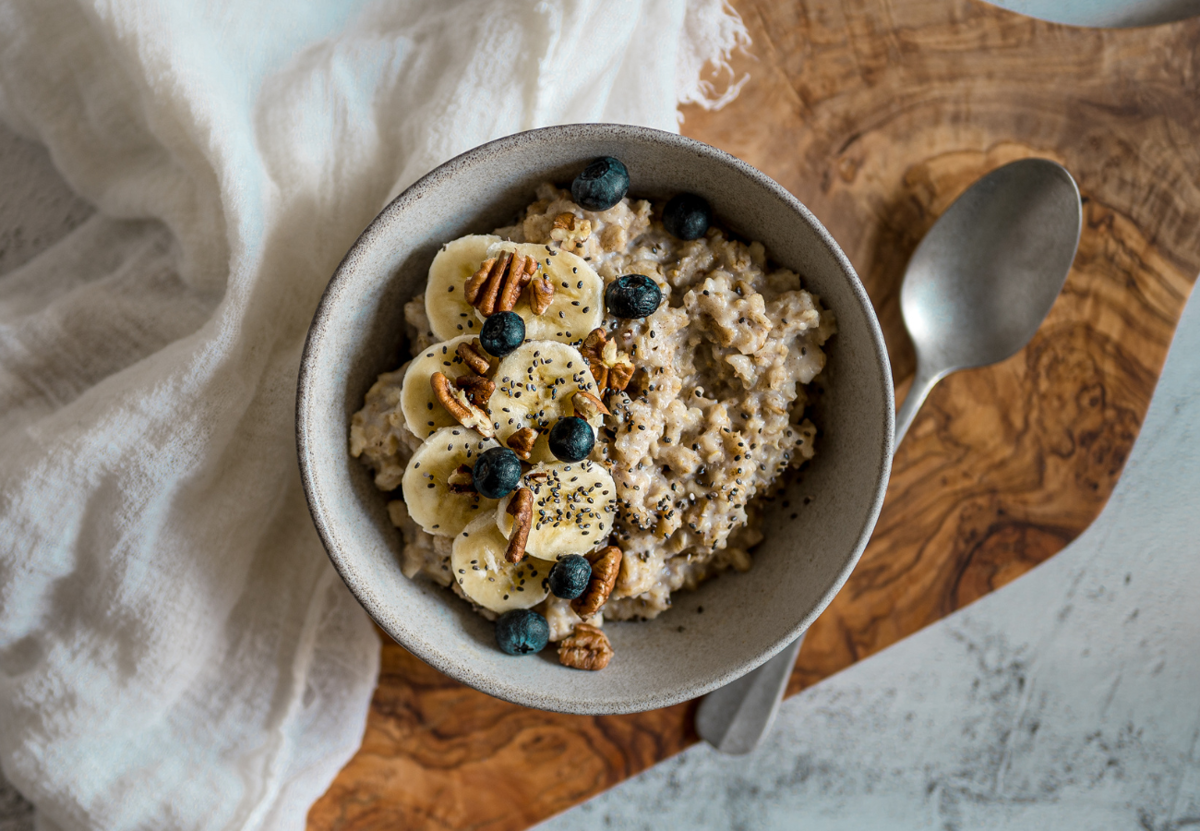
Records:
x=449, y=313
x=534, y=385
x=422, y=412
x=477, y=560
x=573, y=508
x=578, y=304
x=577, y=307
x=431, y=502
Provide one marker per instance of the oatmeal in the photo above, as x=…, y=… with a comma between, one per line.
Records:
x=643, y=443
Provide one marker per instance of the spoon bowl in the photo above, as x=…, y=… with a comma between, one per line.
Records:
x=985, y=276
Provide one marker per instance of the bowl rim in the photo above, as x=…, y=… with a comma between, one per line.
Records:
x=344, y=272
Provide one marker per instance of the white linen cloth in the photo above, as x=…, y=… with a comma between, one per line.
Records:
x=175, y=649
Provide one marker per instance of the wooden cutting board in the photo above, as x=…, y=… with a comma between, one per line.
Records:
x=877, y=115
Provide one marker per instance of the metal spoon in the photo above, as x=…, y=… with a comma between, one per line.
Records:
x=976, y=289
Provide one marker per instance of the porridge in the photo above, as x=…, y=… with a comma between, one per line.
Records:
x=601, y=396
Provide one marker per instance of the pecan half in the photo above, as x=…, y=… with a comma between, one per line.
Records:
x=520, y=508
x=519, y=274
x=570, y=231
x=587, y=647
x=462, y=480
x=458, y=405
x=521, y=442
x=606, y=565
x=478, y=389
x=587, y=405
x=497, y=285
x=592, y=350
x=541, y=295
x=620, y=376
x=477, y=280
x=444, y=394
x=620, y=368
x=600, y=373
x=474, y=357
x=593, y=344
x=486, y=301
x=611, y=369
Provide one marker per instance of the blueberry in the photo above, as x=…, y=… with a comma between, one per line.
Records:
x=497, y=472
x=522, y=632
x=570, y=576
x=502, y=333
x=687, y=216
x=602, y=184
x=571, y=439
x=632, y=296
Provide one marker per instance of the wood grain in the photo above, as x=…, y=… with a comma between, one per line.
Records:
x=877, y=115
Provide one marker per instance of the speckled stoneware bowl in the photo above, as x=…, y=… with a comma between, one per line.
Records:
x=810, y=546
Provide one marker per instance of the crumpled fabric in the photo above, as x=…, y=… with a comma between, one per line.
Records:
x=176, y=650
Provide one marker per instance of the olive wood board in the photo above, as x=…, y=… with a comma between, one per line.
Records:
x=877, y=115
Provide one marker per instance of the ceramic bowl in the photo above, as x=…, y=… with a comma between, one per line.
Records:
x=814, y=532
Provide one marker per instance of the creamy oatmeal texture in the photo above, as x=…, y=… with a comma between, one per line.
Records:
x=713, y=415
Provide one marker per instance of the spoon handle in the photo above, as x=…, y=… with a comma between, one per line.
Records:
x=921, y=385
x=734, y=718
